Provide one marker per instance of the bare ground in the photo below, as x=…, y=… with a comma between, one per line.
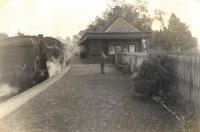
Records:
x=86, y=101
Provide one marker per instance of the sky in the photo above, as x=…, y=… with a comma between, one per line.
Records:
x=67, y=17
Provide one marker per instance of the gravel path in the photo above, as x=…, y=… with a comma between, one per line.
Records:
x=86, y=101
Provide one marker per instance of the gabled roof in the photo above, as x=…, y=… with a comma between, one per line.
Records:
x=120, y=29
x=121, y=25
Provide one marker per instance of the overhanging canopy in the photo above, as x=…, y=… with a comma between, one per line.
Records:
x=114, y=35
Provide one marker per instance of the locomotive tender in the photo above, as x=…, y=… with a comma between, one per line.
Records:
x=23, y=59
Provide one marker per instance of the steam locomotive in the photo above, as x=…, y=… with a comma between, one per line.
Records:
x=23, y=59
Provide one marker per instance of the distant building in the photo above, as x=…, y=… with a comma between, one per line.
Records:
x=119, y=37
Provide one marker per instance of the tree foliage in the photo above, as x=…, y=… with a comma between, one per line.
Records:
x=3, y=36
x=136, y=14
x=180, y=34
x=159, y=16
x=176, y=36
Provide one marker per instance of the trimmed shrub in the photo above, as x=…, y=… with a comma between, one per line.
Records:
x=156, y=77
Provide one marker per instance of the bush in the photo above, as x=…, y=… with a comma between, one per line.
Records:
x=156, y=77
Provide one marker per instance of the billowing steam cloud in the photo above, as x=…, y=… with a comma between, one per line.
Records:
x=54, y=67
x=7, y=90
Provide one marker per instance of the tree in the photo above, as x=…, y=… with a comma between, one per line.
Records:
x=181, y=36
x=136, y=14
x=174, y=37
x=159, y=16
x=3, y=36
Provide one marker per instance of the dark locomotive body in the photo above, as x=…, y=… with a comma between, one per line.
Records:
x=23, y=59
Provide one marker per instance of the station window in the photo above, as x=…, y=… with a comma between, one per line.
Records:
x=132, y=48
x=125, y=48
x=111, y=49
x=118, y=48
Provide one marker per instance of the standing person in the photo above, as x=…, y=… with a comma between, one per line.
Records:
x=103, y=61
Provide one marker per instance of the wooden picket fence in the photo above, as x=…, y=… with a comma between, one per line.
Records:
x=188, y=79
x=187, y=74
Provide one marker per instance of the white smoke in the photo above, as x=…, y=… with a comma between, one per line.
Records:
x=7, y=90
x=54, y=67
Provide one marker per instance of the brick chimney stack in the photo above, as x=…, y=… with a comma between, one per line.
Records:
x=117, y=11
